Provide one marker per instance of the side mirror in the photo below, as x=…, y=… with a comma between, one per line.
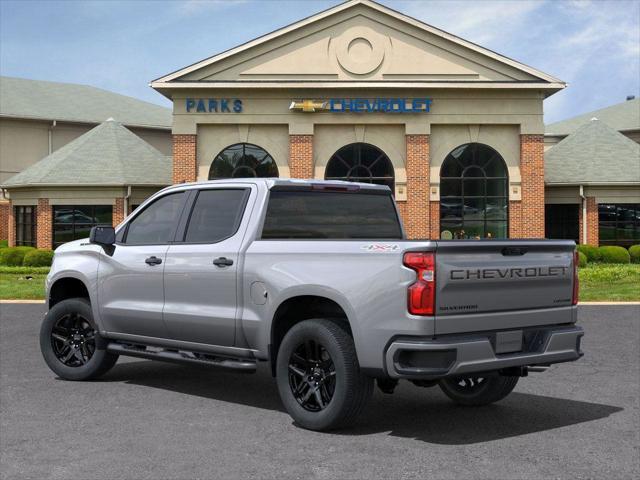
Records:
x=105, y=236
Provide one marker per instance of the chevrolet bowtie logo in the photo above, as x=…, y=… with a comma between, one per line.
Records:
x=309, y=106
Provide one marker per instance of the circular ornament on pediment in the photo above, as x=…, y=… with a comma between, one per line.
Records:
x=360, y=51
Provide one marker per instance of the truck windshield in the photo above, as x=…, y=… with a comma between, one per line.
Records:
x=330, y=215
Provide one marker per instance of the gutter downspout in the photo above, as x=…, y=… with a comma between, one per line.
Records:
x=4, y=194
x=583, y=201
x=126, y=201
x=53, y=125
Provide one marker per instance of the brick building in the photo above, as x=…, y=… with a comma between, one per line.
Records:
x=361, y=92
x=592, y=176
x=364, y=93
x=41, y=119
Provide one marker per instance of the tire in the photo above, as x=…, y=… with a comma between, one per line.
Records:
x=479, y=389
x=317, y=360
x=69, y=343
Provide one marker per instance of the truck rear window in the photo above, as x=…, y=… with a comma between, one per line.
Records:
x=330, y=215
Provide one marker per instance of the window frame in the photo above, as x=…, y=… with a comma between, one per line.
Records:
x=183, y=226
x=486, y=198
x=121, y=237
x=358, y=147
x=74, y=223
x=32, y=225
x=617, y=225
x=244, y=147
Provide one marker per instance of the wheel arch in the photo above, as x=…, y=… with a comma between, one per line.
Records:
x=296, y=309
x=67, y=287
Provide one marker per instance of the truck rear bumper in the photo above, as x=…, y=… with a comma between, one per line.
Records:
x=462, y=354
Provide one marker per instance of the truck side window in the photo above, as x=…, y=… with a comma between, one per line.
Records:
x=330, y=215
x=216, y=215
x=157, y=222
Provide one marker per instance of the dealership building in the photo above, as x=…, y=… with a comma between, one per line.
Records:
x=358, y=92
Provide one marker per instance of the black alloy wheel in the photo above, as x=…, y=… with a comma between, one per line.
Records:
x=467, y=385
x=476, y=390
x=71, y=344
x=312, y=376
x=318, y=375
x=73, y=340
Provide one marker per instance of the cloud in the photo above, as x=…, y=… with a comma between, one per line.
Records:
x=481, y=22
x=592, y=45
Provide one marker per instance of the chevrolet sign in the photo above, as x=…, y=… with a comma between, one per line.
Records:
x=363, y=105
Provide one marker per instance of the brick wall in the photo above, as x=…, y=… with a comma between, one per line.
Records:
x=402, y=210
x=11, y=226
x=435, y=220
x=515, y=219
x=5, y=208
x=185, y=163
x=301, y=156
x=118, y=212
x=593, y=229
x=532, y=174
x=417, y=223
x=44, y=234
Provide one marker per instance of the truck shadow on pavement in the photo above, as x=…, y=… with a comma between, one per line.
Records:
x=411, y=412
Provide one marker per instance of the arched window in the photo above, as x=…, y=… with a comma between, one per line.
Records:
x=243, y=160
x=361, y=162
x=474, y=193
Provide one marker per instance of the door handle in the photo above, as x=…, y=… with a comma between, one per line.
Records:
x=153, y=261
x=223, y=262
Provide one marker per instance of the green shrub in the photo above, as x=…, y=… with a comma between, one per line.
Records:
x=592, y=253
x=582, y=260
x=634, y=253
x=13, y=256
x=38, y=258
x=612, y=254
x=4, y=243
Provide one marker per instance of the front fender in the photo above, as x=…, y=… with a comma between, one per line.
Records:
x=80, y=264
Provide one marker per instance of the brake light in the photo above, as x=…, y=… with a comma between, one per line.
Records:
x=576, y=281
x=421, y=294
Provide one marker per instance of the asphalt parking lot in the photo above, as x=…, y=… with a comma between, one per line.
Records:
x=155, y=420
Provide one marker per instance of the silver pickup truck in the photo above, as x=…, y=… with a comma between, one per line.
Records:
x=317, y=279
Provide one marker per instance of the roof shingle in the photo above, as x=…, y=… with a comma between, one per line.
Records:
x=107, y=155
x=70, y=102
x=621, y=116
x=594, y=154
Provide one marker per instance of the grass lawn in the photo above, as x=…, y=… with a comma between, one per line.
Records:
x=22, y=283
x=609, y=283
x=598, y=283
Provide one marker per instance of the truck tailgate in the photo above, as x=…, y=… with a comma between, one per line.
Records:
x=494, y=285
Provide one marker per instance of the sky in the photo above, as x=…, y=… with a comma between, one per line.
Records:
x=593, y=45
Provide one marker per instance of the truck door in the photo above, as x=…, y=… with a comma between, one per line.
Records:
x=130, y=280
x=201, y=271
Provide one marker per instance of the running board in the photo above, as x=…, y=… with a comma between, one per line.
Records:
x=182, y=356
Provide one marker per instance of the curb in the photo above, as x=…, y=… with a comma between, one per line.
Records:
x=22, y=301
x=608, y=303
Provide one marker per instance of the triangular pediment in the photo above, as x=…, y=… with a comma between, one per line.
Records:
x=358, y=41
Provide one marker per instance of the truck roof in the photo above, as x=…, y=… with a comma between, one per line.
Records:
x=289, y=183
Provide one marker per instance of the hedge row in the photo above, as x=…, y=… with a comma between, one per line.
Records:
x=610, y=254
x=25, y=257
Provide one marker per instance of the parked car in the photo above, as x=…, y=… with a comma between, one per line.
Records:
x=318, y=280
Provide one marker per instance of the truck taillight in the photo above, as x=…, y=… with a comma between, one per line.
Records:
x=421, y=295
x=576, y=282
